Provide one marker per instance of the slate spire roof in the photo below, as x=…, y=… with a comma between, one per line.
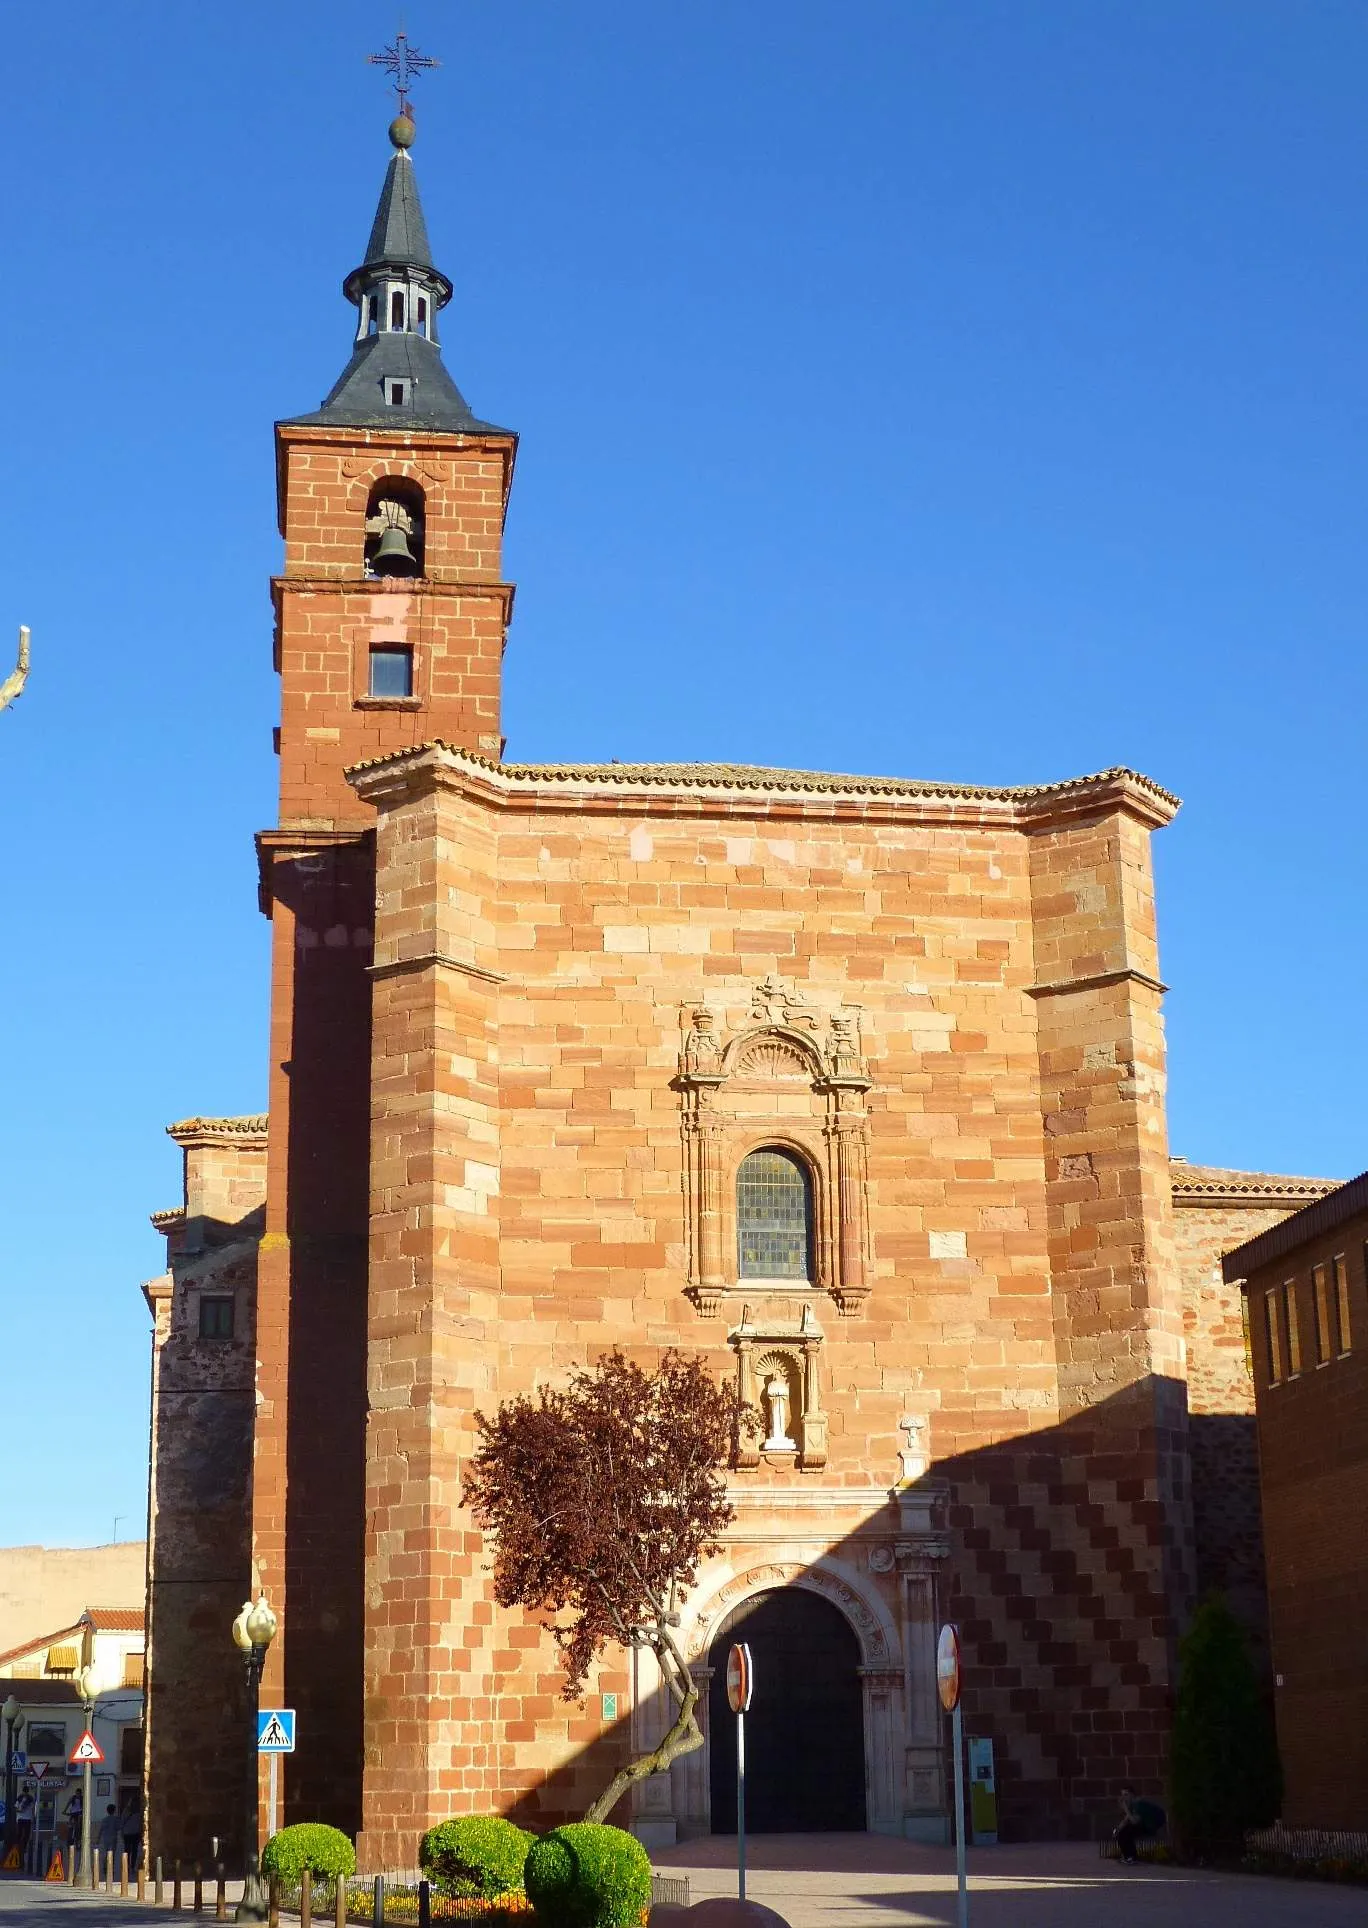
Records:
x=401, y=360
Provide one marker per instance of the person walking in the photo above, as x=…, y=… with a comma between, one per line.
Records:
x=110, y=1838
x=24, y=1811
x=130, y=1823
x=1140, y=1821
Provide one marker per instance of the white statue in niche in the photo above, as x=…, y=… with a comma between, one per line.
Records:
x=777, y=1398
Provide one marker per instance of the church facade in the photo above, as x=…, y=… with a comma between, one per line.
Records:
x=853, y=1085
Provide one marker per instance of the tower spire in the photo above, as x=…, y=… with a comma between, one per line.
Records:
x=396, y=377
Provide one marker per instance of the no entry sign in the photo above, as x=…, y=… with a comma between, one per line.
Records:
x=740, y=1678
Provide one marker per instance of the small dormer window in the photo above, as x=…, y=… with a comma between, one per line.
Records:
x=397, y=310
x=422, y=314
x=397, y=393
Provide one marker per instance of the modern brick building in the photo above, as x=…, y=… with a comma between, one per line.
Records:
x=1307, y=1302
x=855, y=1085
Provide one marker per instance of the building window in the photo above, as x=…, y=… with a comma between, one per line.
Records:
x=1245, y=1335
x=773, y=1217
x=46, y=1741
x=1320, y=1295
x=130, y=1751
x=1342, y=1332
x=422, y=314
x=398, y=394
x=1272, y=1335
x=62, y=1662
x=372, y=314
x=391, y=670
x=215, y=1317
x=1292, y=1328
x=396, y=310
x=134, y=1666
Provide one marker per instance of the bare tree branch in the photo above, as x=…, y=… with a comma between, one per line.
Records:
x=18, y=676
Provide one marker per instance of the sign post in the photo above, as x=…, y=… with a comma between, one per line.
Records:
x=740, y=1686
x=948, y=1686
x=86, y=1754
x=275, y=1736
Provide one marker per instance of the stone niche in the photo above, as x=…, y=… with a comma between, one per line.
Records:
x=781, y=1075
x=778, y=1374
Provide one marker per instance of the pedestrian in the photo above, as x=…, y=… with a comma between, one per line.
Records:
x=24, y=1811
x=110, y=1841
x=131, y=1823
x=75, y=1807
x=1140, y=1821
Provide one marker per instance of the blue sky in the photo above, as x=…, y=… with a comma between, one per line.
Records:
x=952, y=388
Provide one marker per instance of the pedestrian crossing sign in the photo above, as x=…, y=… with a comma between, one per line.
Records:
x=276, y=1730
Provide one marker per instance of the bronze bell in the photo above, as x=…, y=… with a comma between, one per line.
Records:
x=393, y=557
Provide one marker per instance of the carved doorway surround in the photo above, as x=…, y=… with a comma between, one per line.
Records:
x=787, y=1076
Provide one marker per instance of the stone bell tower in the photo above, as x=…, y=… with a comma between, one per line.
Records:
x=390, y=620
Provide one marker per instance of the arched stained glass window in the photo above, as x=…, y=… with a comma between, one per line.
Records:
x=773, y=1217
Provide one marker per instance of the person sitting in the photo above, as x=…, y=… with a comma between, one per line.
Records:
x=1140, y=1821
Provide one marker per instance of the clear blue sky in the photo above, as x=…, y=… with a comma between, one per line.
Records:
x=955, y=388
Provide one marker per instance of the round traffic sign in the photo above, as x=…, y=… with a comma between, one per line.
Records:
x=948, y=1667
x=740, y=1678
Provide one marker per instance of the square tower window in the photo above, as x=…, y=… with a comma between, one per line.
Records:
x=396, y=310
x=397, y=394
x=391, y=670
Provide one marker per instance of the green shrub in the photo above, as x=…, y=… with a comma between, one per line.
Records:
x=325, y=1852
x=476, y=1856
x=587, y=1876
x=1224, y=1774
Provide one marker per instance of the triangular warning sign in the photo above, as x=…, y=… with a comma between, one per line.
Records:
x=12, y=1859
x=37, y=1769
x=86, y=1749
x=54, y=1872
x=273, y=1734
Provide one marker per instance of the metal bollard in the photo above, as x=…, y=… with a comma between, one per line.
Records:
x=306, y=1899
x=220, y=1895
x=142, y=1881
x=176, y=1887
x=123, y=1874
x=424, y=1905
x=273, y=1901
x=109, y=1871
x=340, y=1903
x=157, y=1896
x=378, y=1904
x=199, y=1887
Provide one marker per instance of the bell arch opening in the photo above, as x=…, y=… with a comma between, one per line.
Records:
x=805, y=1744
x=395, y=529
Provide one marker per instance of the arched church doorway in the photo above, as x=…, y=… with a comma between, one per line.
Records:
x=805, y=1767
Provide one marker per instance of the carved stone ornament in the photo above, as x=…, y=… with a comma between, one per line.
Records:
x=781, y=1074
x=778, y=1375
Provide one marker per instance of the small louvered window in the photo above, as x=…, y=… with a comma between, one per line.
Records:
x=773, y=1217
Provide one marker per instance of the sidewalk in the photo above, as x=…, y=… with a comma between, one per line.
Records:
x=872, y=1881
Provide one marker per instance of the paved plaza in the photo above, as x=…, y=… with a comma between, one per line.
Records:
x=869, y=1881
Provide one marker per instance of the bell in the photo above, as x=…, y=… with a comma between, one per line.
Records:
x=393, y=557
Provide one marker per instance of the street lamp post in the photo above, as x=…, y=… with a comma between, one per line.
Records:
x=87, y=1687
x=253, y=1631
x=14, y=1721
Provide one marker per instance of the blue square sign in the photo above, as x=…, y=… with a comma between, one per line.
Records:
x=276, y=1730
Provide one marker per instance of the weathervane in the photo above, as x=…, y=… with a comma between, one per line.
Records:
x=405, y=63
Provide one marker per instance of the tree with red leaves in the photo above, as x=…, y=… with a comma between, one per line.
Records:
x=601, y=1499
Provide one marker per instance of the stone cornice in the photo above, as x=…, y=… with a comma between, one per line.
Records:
x=1211, y=1185
x=299, y=840
x=417, y=587
x=700, y=788
x=434, y=960
x=1098, y=982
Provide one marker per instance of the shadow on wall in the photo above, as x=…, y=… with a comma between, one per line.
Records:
x=1068, y=1564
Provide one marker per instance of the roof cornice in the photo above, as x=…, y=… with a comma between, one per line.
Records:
x=690, y=788
x=193, y=1132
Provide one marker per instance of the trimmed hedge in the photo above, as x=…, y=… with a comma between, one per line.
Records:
x=324, y=1851
x=587, y=1876
x=475, y=1857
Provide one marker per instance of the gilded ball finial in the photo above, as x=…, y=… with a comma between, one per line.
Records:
x=402, y=131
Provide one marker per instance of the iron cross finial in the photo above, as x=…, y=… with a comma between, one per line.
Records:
x=404, y=64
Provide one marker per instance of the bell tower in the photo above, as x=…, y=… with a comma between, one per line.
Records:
x=390, y=619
